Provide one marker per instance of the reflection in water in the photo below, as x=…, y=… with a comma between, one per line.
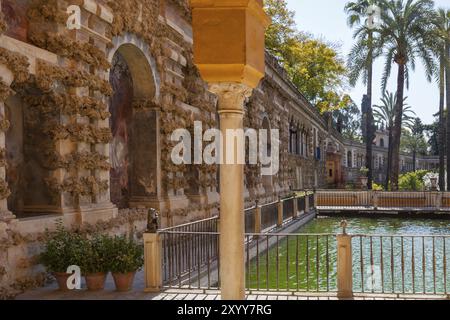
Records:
x=389, y=261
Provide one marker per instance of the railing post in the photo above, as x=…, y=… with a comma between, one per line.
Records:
x=375, y=200
x=257, y=228
x=344, y=264
x=439, y=201
x=152, y=262
x=280, y=213
x=295, y=213
x=315, y=199
x=306, y=202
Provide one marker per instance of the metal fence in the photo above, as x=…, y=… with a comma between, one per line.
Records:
x=189, y=251
x=410, y=264
x=269, y=215
x=250, y=219
x=342, y=263
x=291, y=262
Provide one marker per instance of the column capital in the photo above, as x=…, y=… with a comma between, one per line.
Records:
x=231, y=95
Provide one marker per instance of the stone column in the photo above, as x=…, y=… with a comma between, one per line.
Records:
x=232, y=62
x=6, y=78
x=231, y=111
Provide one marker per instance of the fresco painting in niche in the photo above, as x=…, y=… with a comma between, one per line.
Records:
x=121, y=115
x=14, y=154
x=15, y=12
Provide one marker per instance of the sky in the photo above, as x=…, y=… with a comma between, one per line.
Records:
x=327, y=19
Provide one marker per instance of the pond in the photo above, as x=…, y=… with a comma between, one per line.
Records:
x=388, y=260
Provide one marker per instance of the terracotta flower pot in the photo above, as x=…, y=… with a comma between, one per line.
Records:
x=123, y=281
x=61, y=279
x=95, y=281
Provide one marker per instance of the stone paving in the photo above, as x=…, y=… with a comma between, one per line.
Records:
x=50, y=292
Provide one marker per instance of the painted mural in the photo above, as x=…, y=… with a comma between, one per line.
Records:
x=15, y=12
x=121, y=114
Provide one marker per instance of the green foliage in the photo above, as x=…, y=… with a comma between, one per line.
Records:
x=62, y=249
x=412, y=181
x=124, y=255
x=96, y=255
x=432, y=131
x=350, y=186
x=101, y=253
x=349, y=119
x=406, y=36
x=384, y=113
x=313, y=66
x=364, y=171
x=365, y=50
x=377, y=187
x=414, y=141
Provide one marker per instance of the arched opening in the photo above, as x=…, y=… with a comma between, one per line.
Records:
x=134, y=125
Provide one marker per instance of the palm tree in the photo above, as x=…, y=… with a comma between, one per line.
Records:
x=413, y=140
x=442, y=30
x=360, y=64
x=406, y=34
x=385, y=114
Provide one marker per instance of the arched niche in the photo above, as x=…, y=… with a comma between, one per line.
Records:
x=134, y=150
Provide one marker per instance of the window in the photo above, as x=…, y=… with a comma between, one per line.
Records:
x=349, y=159
x=382, y=142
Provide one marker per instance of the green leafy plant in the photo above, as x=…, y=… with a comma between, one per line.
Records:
x=350, y=186
x=95, y=254
x=364, y=171
x=412, y=181
x=62, y=249
x=377, y=187
x=124, y=255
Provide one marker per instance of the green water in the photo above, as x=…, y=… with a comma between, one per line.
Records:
x=381, y=263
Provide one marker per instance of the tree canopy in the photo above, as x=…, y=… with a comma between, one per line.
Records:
x=313, y=65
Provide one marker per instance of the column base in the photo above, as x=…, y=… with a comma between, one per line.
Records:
x=6, y=216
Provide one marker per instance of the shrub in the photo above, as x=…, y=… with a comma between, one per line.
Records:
x=377, y=187
x=412, y=181
x=364, y=171
x=350, y=186
x=95, y=255
x=124, y=255
x=62, y=249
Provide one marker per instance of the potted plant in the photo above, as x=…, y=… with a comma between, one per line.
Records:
x=62, y=249
x=94, y=265
x=363, y=176
x=125, y=258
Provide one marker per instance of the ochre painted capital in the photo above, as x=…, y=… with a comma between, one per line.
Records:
x=231, y=96
x=229, y=40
